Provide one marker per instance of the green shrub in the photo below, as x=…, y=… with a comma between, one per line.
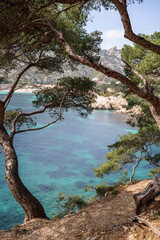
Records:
x=101, y=189
x=69, y=203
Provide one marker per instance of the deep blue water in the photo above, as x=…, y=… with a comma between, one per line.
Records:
x=60, y=158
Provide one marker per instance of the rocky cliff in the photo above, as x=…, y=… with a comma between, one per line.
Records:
x=116, y=103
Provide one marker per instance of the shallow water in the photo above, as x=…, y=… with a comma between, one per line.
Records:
x=60, y=158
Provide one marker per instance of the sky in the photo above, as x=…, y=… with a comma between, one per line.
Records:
x=145, y=18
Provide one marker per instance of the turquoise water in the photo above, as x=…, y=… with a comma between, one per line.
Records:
x=60, y=158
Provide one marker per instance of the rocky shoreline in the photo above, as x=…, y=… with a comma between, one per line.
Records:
x=116, y=103
x=113, y=102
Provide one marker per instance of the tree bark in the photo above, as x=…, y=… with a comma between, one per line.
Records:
x=156, y=114
x=32, y=207
x=145, y=197
x=1, y=113
x=128, y=31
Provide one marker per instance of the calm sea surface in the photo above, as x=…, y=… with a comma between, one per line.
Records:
x=60, y=158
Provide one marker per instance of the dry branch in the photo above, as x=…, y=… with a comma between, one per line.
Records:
x=152, y=226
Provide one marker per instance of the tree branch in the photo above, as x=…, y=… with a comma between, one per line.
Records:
x=36, y=112
x=128, y=32
x=38, y=9
x=150, y=159
x=66, y=9
x=140, y=159
x=12, y=89
x=106, y=71
x=27, y=115
x=136, y=72
x=14, y=85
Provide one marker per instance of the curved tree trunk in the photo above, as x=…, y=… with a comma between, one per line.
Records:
x=145, y=197
x=156, y=114
x=32, y=207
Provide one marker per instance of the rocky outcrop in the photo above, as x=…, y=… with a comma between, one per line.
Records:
x=109, y=103
x=4, y=86
x=116, y=103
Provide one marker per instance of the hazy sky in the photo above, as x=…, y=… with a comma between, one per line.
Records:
x=145, y=18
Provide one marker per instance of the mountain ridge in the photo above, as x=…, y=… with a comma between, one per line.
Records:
x=110, y=58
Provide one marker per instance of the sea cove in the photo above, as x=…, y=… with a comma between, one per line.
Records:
x=61, y=157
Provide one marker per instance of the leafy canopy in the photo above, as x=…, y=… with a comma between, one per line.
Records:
x=131, y=148
x=78, y=94
x=145, y=62
x=23, y=34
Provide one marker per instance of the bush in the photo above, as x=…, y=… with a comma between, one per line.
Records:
x=105, y=189
x=101, y=189
x=69, y=203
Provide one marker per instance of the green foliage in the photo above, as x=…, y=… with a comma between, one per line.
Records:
x=26, y=42
x=145, y=62
x=104, y=189
x=25, y=34
x=79, y=95
x=154, y=172
x=101, y=189
x=2, y=79
x=88, y=188
x=124, y=151
x=10, y=115
x=133, y=147
x=69, y=203
x=98, y=4
x=124, y=176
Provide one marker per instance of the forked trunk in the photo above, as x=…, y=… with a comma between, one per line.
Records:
x=32, y=207
x=145, y=197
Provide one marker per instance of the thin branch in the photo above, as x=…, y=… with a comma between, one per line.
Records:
x=12, y=89
x=39, y=57
x=35, y=129
x=14, y=85
x=140, y=159
x=150, y=159
x=65, y=9
x=27, y=115
x=71, y=2
x=7, y=103
x=136, y=72
x=38, y=9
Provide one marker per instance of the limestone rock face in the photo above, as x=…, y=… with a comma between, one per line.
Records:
x=110, y=103
x=116, y=103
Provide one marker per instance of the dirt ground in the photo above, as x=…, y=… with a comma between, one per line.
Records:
x=107, y=219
